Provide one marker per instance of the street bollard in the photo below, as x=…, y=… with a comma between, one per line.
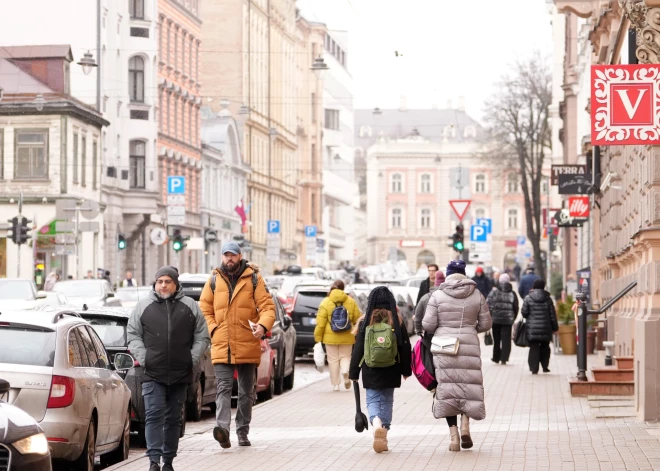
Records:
x=582, y=337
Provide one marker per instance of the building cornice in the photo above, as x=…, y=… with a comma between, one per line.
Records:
x=58, y=106
x=581, y=9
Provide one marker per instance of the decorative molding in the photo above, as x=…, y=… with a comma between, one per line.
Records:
x=581, y=9
x=646, y=22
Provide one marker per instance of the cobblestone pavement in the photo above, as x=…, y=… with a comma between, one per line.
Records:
x=532, y=423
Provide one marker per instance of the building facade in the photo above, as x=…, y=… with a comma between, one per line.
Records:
x=249, y=59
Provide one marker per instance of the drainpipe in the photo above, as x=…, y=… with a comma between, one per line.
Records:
x=98, y=55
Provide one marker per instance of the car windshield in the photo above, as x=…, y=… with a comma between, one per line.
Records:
x=79, y=289
x=112, y=330
x=16, y=289
x=290, y=282
x=26, y=346
x=132, y=294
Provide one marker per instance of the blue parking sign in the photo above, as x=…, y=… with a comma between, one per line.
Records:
x=478, y=233
x=488, y=223
x=176, y=185
x=310, y=231
x=273, y=226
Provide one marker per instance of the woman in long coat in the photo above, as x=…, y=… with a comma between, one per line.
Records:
x=457, y=309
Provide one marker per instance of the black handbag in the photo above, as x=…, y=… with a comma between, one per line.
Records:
x=361, y=421
x=488, y=339
x=520, y=338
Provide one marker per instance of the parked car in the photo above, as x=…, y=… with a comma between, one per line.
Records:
x=23, y=444
x=52, y=298
x=19, y=294
x=89, y=292
x=131, y=295
x=283, y=342
x=60, y=373
x=305, y=306
x=405, y=306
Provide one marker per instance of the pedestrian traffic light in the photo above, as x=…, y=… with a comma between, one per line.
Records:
x=459, y=244
x=23, y=230
x=121, y=241
x=177, y=240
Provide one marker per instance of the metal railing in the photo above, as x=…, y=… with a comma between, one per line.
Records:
x=582, y=326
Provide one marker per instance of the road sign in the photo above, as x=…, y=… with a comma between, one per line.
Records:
x=521, y=240
x=176, y=185
x=478, y=233
x=211, y=236
x=158, y=236
x=89, y=226
x=176, y=211
x=176, y=200
x=273, y=226
x=64, y=226
x=460, y=207
x=310, y=231
x=176, y=220
x=480, y=252
x=488, y=223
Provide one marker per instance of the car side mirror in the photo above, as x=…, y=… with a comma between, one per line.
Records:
x=123, y=361
x=41, y=295
x=286, y=322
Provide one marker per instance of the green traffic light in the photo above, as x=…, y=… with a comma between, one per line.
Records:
x=177, y=245
x=459, y=246
x=122, y=244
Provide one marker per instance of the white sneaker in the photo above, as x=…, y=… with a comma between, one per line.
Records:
x=335, y=387
x=347, y=382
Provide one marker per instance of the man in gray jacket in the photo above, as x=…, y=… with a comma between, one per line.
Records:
x=167, y=334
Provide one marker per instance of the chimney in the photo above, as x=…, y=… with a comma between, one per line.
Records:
x=449, y=106
x=461, y=103
x=402, y=105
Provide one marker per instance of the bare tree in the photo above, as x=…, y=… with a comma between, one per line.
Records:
x=519, y=132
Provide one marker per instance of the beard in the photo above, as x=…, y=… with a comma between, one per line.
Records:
x=165, y=295
x=231, y=269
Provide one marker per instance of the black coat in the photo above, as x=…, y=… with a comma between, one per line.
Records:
x=539, y=310
x=380, y=378
x=484, y=284
x=503, y=305
x=424, y=288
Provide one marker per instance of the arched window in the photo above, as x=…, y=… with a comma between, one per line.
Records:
x=512, y=183
x=365, y=131
x=396, y=218
x=136, y=79
x=137, y=163
x=480, y=183
x=397, y=183
x=136, y=8
x=513, y=219
x=425, y=183
x=449, y=131
x=425, y=220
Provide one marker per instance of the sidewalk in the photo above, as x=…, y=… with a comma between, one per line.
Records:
x=532, y=423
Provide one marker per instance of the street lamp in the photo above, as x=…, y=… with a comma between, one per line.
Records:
x=272, y=132
x=377, y=111
x=39, y=102
x=224, y=103
x=319, y=67
x=87, y=63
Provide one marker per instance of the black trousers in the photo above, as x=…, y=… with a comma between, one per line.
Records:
x=501, y=342
x=538, y=352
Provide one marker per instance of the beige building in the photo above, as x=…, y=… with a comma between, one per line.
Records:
x=624, y=243
x=249, y=58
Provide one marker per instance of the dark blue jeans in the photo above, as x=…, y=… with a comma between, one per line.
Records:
x=163, y=405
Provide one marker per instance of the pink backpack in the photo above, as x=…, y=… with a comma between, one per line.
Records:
x=422, y=365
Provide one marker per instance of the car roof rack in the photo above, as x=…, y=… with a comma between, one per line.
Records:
x=60, y=315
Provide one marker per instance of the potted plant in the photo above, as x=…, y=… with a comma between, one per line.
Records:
x=567, y=328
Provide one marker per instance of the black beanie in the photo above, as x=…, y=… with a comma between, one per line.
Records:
x=382, y=298
x=170, y=271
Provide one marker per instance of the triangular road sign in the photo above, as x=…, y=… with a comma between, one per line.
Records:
x=460, y=207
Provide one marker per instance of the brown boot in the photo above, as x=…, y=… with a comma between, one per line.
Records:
x=466, y=439
x=455, y=444
x=380, y=436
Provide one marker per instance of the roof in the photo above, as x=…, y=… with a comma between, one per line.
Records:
x=39, y=317
x=47, y=51
x=16, y=81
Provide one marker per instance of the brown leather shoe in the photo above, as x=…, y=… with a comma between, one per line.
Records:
x=243, y=439
x=222, y=436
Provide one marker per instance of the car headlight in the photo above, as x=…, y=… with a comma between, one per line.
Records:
x=36, y=444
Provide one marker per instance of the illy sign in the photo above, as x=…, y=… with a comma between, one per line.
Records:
x=578, y=207
x=625, y=104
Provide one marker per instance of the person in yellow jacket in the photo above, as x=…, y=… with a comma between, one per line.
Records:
x=338, y=345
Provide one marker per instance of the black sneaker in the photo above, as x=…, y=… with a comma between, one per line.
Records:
x=154, y=466
x=167, y=467
x=222, y=437
x=545, y=370
x=494, y=361
x=504, y=362
x=243, y=440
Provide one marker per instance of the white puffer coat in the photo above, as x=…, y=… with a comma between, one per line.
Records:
x=460, y=380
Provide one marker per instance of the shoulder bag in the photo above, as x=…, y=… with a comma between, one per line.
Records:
x=446, y=345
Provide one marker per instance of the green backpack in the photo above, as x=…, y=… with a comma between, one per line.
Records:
x=380, y=348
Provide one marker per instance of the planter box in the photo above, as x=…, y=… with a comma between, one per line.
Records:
x=625, y=363
x=601, y=388
x=567, y=339
x=609, y=373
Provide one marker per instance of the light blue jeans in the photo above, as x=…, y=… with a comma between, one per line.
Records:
x=380, y=403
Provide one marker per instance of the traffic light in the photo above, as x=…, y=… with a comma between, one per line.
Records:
x=459, y=244
x=14, y=229
x=177, y=240
x=23, y=230
x=121, y=241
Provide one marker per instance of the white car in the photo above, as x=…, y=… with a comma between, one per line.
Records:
x=18, y=294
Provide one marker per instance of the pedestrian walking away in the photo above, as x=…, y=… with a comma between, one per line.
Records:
x=503, y=307
x=539, y=310
x=457, y=310
x=420, y=307
x=527, y=281
x=239, y=311
x=484, y=284
x=425, y=286
x=382, y=354
x=167, y=334
x=337, y=315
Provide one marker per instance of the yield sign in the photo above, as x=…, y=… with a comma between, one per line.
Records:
x=460, y=207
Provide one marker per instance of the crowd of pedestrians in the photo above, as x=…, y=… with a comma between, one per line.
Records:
x=168, y=333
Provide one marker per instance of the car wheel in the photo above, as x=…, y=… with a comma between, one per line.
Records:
x=140, y=439
x=279, y=380
x=195, y=407
x=85, y=461
x=270, y=392
x=288, y=380
x=121, y=453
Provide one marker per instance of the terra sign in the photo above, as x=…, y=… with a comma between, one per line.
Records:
x=625, y=104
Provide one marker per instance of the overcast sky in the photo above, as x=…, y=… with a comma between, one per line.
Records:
x=449, y=47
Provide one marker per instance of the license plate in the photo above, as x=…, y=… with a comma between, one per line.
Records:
x=4, y=397
x=309, y=321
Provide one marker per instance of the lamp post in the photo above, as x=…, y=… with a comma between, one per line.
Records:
x=39, y=102
x=319, y=67
x=87, y=63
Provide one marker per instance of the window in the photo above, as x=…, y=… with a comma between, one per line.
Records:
x=136, y=8
x=425, y=183
x=2, y=159
x=470, y=131
x=396, y=218
x=137, y=164
x=139, y=32
x=175, y=133
x=480, y=213
x=83, y=166
x=365, y=131
x=101, y=353
x=75, y=354
x=313, y=208
x=167, y=113
x=397, y=183
x=314, y=107
x=425, y=222
x=88, y=346
x=480, y=183
x=136, y=79
x=95, y=162
x=512, y=183
x=31, y=154
x=513, y=219
x=190, y=58
x=175, y=59
x=332, y=119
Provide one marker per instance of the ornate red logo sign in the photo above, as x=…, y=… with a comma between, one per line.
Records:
x=578, y=207
x=625, y=104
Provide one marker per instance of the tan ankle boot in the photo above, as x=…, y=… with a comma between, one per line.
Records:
x=466, y=439
x=455, y=444
x=380, y=436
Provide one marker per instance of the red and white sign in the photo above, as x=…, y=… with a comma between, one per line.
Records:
x=460, y=207
x=625, y=104
x=578, y=207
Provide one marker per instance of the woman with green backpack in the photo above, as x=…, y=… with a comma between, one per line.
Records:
x=337, y=315
x=382, y=353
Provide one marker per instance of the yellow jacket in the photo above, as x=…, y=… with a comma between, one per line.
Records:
x=323, y=332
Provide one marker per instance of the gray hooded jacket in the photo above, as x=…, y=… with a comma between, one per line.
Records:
x=460, y=380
